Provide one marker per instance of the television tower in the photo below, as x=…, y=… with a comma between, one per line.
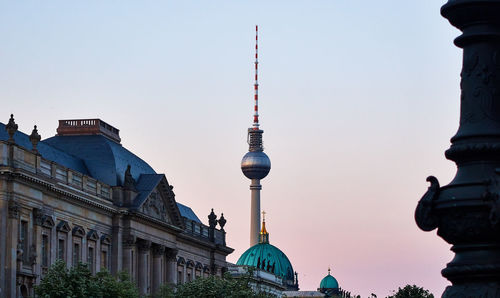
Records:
x=255, y=164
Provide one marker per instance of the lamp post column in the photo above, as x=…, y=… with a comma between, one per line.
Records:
x=466, y=212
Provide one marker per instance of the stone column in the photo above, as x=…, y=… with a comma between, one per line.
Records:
x=69, y=249
x=128, y=245
x=37, y=229
x=184, y=273
x=97, y=253
x=143, y=265
x=12, y=243
x=466, y=212
x=4, y=219
x=171, y=257
x=53, y=245
x=158, y=252
x=116, y=249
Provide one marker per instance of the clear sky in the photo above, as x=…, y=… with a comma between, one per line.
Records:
x=358, y=101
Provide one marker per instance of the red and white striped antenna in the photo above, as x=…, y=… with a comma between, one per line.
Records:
x=256, y=85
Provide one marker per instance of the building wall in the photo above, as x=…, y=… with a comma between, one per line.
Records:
x=48, y=212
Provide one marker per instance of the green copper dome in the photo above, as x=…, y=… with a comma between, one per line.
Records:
x=329, y=282
x=269, y=258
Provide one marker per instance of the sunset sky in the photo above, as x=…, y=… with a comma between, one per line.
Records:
x=358, y=101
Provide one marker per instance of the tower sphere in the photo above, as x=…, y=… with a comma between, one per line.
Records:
x=255, y=165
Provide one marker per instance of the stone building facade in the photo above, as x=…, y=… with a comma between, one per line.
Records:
x=81, y=197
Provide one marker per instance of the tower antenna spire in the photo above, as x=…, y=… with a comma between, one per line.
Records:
x=255, y=164
x=256, y=85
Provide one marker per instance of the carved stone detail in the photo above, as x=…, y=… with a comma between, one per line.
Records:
x=47, y=221
x=92, y=235
x=34, y=139
x=143, y=245
x=19, y=250
x=63, y=226
x=33, y=255
x=155, y=207
x=38, y=216
x=222, y=222
x=129, y=240
x=158, y=250
x=128, y=180
x=78, y=231
x=105, y=239
x=14, y=209
x=11, y=128
x=212, y=219
x=171, y=254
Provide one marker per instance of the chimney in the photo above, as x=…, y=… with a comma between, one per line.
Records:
x=85, y=127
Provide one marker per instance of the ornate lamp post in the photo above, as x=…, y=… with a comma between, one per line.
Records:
x=466, y=212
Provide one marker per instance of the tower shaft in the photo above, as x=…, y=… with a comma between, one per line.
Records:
x=255, y=188
x=255, y=164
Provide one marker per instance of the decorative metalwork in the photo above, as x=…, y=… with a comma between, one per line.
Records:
x=466, y=212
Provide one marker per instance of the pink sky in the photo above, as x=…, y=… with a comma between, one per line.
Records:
x=358, y=100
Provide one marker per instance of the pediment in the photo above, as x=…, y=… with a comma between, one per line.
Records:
x=63, y=226
x=156, y=199
x=48, y=222
x=105, y=239
x=155, y=207
x=92, y=235
x=78, y=231
x=181, y=261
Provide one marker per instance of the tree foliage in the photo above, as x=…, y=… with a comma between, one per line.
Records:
x=213, y=287
x=411, y=292
x=78, y=282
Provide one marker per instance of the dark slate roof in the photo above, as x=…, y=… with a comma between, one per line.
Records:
x=47, y=151
x=100, y=158
x=144, y=186
x=188, y=212
x=105, y=160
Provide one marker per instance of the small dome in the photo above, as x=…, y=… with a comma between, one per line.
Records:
x=328, y=282
x=264, y=254
x=255, y=165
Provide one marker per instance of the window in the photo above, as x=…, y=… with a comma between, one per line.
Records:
x=104, y=259
x=23, y=239
x=76, y=253
x=179, y=277
x=189, y=276
x=90, y=259
x=45, y=250
x=60, y=249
